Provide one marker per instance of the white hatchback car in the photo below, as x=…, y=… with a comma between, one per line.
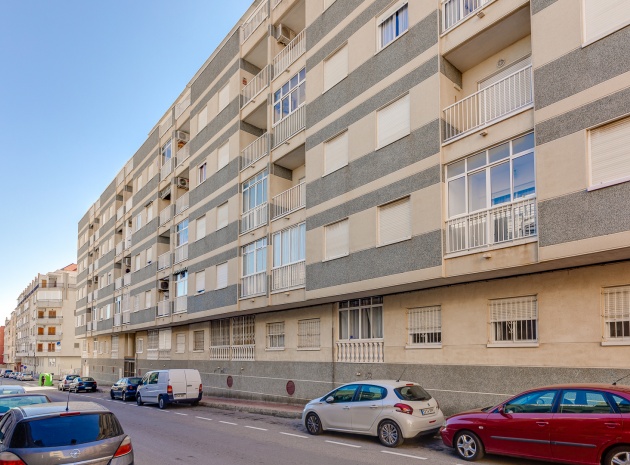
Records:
x=391, y=410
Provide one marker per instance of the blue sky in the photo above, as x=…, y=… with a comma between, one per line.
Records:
x=81, y=85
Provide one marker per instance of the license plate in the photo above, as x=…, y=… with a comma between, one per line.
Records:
x=427, y=411
x=180, y=395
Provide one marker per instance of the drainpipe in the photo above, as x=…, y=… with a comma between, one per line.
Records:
x=332, y=342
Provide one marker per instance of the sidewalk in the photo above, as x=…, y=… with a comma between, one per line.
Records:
x=252, y=406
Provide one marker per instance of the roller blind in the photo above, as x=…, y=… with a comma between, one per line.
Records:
x=222, y=275
x=395, y=221
x=201, y=227
x=337, y=239
x=336, y=153
x=602, y=17
x=336, y=67
x=200, y=281
x=223, y=155
x=222, y=216
x=610, y=152
x=393, y=121
x=224, y=97
x=202, y=119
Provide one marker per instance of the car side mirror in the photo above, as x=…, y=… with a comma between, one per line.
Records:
x=330, y=399
x=140, y=383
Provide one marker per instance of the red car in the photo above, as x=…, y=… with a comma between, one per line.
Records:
x=572, y=423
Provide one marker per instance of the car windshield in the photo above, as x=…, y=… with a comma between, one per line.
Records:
x=65, y=431
x=411, y=393
x=134, y=380
x=7, y=403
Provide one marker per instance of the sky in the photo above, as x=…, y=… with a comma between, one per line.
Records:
x=82, y=83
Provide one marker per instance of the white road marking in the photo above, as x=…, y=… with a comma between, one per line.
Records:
x=163, y=411
x=203, y=418
x=343, y=444
x=404, y=455
x=177, y=413
x=254, y=427
x=294, y=435
x=227, y=422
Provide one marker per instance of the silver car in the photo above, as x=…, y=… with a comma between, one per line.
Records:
x=391, y=410
x=81, y=432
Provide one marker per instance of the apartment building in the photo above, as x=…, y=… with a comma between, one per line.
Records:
x=366, y=189
x=40, y=332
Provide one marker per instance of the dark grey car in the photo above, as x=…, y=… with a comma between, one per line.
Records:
x=49, y=434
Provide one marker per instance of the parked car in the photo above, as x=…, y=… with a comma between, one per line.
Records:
x=82, y=383
x=125, y=388
x=5, y=372
x=84, y=432
x=573, y=423
x=10, y=401
x=11, y=389
x=168, y=386
x=13, y=374
x=65, y=381
x=18, y=376
x=27, y=377
x=391, y=410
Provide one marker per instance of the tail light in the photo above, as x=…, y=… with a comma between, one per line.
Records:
x=404, y=408
x=169, y=389
x=124, y=448
x=200, y=388
x=80, y=384
x=7, y=458
x=130, y=388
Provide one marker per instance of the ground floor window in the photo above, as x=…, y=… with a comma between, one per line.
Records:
x=514, y=320
x=616, y=313
x=361, y=318
x=308, y=334
x=425, y=326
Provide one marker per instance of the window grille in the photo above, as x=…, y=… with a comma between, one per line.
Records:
x=181, y=343
x=243, y=330
x=275, y=335
x=617, y=313
x=425, y=326
x=198, y=337
x=220, y=332
x=164, y=339
x=153, y=340
x=514, y=320
x=308, y=334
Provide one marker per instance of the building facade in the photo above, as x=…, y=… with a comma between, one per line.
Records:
x=9, y=341
x=41, y=337
x=357, y=189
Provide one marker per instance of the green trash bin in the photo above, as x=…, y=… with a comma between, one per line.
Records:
x=42, y=379
x=48, y=379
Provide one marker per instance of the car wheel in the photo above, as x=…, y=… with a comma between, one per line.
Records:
x=139, y=400
x=111, y=394
x=123, y=396
x=60, y=388
x=161, y=402
x=619, y=455
x=313, y=423
x=389, y=434
x=468, y=446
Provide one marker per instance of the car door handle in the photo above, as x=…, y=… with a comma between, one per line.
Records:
x=373, y=406
x=346, y=408
x=612, y=424
x=542, y=423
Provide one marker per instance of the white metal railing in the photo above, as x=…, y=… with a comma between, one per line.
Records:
x=119, y=248
x=128, y=241
x=503, y=223
x=180, y=304
x=182, y=203
x=183, y=154
x=90, y=268
x=97, y=234
x=166, y=169
x=289, y=126
x=488, y=105
x=258, y=83
x=182, y=105
x=254, y=20
x=163, y=308
x=164, y=261
x=254, y=218
x=294, y=50
x=181, y=253
x=96, y=264
x=127, y=279
x=288, y=276
x=152, y=354
x=117, y=319
x=220, y=353
x=118, y=283
x=126, y=318
x=94, y=325
x=124, y=303
x=255, y=151
x=166, y=125
x=454, y=11
x=288, y=201
x=95, y=292
x=276, y=3
x=361, y=351
x=165, y=215
x=164, y=354
x=243, y=353
x=254, y=284
x=89, y=298
x=120, y=212
x=128, y=204
x=89, y=326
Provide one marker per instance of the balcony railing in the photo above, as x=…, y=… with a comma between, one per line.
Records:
x=182, y=105
x=220, y=353
x=152, y=354
x=166, y=125
x=182, y=204
x=117, y=319
x=127, y=279
x=163, y=308
x=164, y=261
x=118, y=283
x=120, y=212
x=124, y=303
x=289, y=54
x=500, y=224
x=129, y=204
x=288, y=276
x=288, y=201
x=258, y=83
x=253, y=285
x=289, y=126
x=126, y=318
x=455, y=11
x=255, y=20
x=254, y=218
x=166, y=169
x=243, y=353
x=183, y=154
x=164, y=354
x=255, y=151
x=488, y=105
x=49, y=303
x=361, y=351
x=119, y=248
x=128, y=241
x=166, y=215
x=180, y=304
x=181, y=254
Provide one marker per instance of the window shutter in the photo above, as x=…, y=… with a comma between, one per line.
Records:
x=202, y=119
x=201, y=227
x=222, y=275
x=393, y=121
x=336, y=68
x=223, y=155
x=181, y=343
x=395, y=221
x=604, y=16
x=200, y=281
x=222, y=216
x=336, y=153
x=610, y=152
x=337, y=239
x=514, y=309
x=224, y=97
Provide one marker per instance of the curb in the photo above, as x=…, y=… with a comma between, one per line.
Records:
x=252, y=409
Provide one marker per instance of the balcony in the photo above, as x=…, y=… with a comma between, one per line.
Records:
x=118, y=283
x=163, y=308
x=258, y=83
x=120, y=212
x=488, y=106
x=119, y=248
x=48, y=337
x=182, y=105
x=164, y=261
x=167, y=168
x=289, y=126
x=152, y=354
x=181, y=254
x=254, y=218
x=180, y=305
x=127, y=279
x=498, y=225
x=238, y=353
x=255, y=20
x=182, y=204
x=255, y=151
x=117, y=319
x=288, y=276
x=50, y=321
x=455, y=11
x=294, y=50
x=288, y=201
x=361, y=351
x=166, y=125
x=128, y=204
x=127, y=245
x=124, y=305
x=165, y=215
x=254, y=285
x=183, y=154
x=49, y=303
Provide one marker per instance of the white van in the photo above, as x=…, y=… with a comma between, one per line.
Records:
x=167, y=386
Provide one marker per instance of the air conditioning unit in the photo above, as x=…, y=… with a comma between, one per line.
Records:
x=164, y=285
x=284, y=35
x=127, y=261
x=182, y=182
x=182, y=135
x=95, y=279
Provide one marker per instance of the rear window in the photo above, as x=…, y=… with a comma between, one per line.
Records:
x=87, y=378
x=134, y=380
x=412, y=393
x=65, y=431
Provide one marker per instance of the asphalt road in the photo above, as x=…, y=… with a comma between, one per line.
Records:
x=183, y=434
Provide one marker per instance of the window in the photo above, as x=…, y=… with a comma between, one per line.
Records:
x=201, y=227
x=394, y=222
x=290, y=97
x=222, y=276
x=532, y=402
x=138, y=221
x=336, y=239
x=139, y=345
x=202, y=119
x=198, y=337
x=393, y=121
x=344, y=393
x=181, y=233
x=308, y=334
x=255, y=257
x=371, y=393
x=392, y=24
x=275, y=335
x=289, y=246
x=616, y=314
x=166, y=152
x=243, y=330
x=514, y=320
x=137, y=262
x=336, y=153
x=149, y=256
x=200, y=281
x=222, y=216
x=224, y=97
x=220, y=332
x=361, y=318
x=181, y=283
x=139, y=183
x=114, y=346
x=165, y=339
x=201, y=171
x=147, y=299
x=609, y=155
x=336, y=67
x=223, y=155
x=425, y=326
x=180, y=343
x=603, y=17
x=255, y=191
x=584, y=402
